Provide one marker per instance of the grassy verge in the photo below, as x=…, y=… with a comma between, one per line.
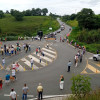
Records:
x=93, y=47
x=95, y=95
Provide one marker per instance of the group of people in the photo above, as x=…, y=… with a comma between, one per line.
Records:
x=10, y=49
x=26, y=47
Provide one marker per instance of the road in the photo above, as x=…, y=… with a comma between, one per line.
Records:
x=49, y=75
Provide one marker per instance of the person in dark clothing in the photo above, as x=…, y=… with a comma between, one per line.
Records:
x=97, y=51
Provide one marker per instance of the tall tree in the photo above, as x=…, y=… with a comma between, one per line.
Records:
x=38, y=12
x=1, y=14
x=44, y=11
x=85, y=18
x=33, y=12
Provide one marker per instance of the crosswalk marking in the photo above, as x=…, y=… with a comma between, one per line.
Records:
x=44, y=57
x=29, y=64
x=48, y=54
x=24, y=63
x=93, y=69
x=49, y=50
x=21, y=68
x=37, y=60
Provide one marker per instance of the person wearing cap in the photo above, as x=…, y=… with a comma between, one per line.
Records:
x=40, y=91
x=13, y=95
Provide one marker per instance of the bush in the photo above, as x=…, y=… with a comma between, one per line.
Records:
x=80, y=85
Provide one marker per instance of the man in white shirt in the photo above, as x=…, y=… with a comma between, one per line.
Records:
x=14, y=73
x=13, y=95
x=31, y=62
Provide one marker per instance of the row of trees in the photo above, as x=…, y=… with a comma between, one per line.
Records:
x=86, y=19
x=19, y=15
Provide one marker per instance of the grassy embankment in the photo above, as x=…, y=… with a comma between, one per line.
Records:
x=29, y=26
x=95, y=95
x=91, y=47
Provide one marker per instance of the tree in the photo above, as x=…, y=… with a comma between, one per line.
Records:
x=85, y=18
x=18, y=16
x=12, y=12
x=44, y=11
x=73, y=16
x=33, y=12
x=38, y=12
x=1, y=14
x=7, y=12
x=66, y=17
x=80, y=85
x=28, y=13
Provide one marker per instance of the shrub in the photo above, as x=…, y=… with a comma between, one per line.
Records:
x=80, y=85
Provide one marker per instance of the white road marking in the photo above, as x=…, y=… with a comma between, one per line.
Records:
x=21, y=68
x=49, y=50
x=44, y=57
x=37, y=60
x=48, y=54
x=29, y=64
x=52, y=96
x=8, y=95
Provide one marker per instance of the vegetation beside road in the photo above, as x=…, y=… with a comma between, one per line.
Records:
x=29, y=26
x=85, y=29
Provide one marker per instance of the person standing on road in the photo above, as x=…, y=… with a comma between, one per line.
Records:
x=29, y=47
x=97, y=51
x=14, y=73
x=32, y=38
x=13, y=95
x=7, y=79
x=40, y=91
x=60, y=39
x=36, y=51
x=80, y=58
x=3, y=62
x=69, y=65
x=76, y=61
x=31, y=62
x=61, y=82
x=40, y=58
x=1, y=83
x=25, y=91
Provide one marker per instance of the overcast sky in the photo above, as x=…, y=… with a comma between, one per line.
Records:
x=60, y=7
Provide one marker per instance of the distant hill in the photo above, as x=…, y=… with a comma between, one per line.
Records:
x=29, y=26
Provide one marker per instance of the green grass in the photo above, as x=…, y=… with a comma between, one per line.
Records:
x=29, y=26
x=73, y=23
x=95, y=95
x=93, y=47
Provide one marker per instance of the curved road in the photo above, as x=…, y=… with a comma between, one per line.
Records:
x=49, y=76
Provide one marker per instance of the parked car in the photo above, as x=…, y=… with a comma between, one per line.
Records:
x=37, y=37
x=58, y=31
x=96, y=57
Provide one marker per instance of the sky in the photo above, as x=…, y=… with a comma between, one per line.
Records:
x=60, y=7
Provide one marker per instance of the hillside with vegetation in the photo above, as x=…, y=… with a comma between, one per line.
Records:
x=28, y=23
x=86, y=29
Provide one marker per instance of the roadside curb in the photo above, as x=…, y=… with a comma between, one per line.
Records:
x=54, y=97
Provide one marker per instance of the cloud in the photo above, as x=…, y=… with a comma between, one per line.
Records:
x=55, y=6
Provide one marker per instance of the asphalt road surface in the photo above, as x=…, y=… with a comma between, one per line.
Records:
x=49, y=74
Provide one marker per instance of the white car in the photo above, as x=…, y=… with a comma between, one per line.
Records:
x=96, y=57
